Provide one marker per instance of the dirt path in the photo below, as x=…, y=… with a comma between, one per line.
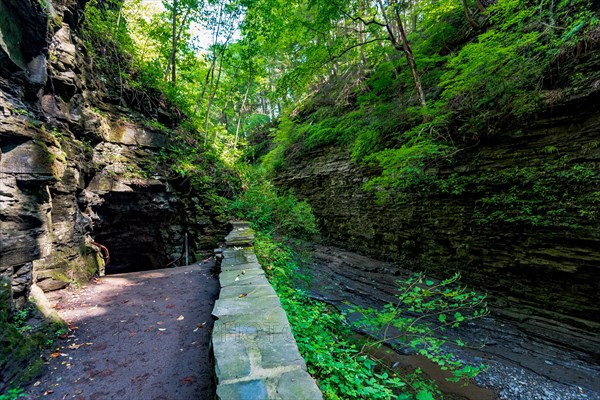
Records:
x=142, y=335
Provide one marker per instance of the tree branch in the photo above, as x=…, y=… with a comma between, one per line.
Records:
x=347, y=49
x=355, y=18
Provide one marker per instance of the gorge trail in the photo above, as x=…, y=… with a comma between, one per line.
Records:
x=141, y=335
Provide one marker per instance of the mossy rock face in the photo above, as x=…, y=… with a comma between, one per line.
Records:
x=5, y=299
x=19, y=354
x=516, y=217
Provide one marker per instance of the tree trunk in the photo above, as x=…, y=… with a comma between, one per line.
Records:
x=405, y=46
x=211, y=98
x=176, y=41
x=239, y=123
x=174, y=50
x=468, y=15
x=206, y=82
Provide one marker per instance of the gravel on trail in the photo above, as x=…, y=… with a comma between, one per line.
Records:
x=142, y=335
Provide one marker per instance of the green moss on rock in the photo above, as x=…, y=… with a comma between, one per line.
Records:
x=19, y=354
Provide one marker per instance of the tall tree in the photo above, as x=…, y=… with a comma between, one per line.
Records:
x=405, y=46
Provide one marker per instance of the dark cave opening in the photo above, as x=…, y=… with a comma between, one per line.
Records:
x=137, y=229
x=132, y=250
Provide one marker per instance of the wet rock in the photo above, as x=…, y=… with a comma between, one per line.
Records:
x=64, y=51
x=21, y=279
x=30, y=157
x=521, y=364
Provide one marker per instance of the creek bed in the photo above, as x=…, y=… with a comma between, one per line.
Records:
x=520, y=366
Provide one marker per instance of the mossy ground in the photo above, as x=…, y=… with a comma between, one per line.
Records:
x=21, y=343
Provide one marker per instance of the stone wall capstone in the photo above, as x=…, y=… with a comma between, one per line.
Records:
x=256, y=356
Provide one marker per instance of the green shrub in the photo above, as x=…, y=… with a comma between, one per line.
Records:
x=337, y=360
x=269, y=211
x=324, y=340
x=424, y=310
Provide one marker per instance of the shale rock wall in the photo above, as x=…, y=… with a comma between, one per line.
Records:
x=548, y=271
x=78, y=164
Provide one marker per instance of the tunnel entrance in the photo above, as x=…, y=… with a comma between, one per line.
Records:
x=137, y=229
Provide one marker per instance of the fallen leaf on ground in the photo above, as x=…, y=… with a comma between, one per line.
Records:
x=201, y=325
x=180, y=318
x=55, y=354
x=47, y=392
x=75, y=346
x=162, y=329
x=37, y=383
x=243, y=295
x=188, y=380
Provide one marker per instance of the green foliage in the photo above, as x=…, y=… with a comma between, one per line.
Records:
x=20, y=317
x=423, y=311
x=107, y=40
x=554, y=194
x=549, y=195
x=497, y=74
x=403, y=168
x=344, y=370
x=272, y=212
x=20, y=345
x=12, y=394
x=325, y=341
x=480, y=82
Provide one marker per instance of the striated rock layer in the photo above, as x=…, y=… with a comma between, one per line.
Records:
x=78, y=165
x=538, y=275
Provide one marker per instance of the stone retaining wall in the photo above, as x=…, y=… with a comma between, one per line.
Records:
x=256, y=356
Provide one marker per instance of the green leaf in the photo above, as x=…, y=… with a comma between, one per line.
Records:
x=425, y=395
x=442, y=318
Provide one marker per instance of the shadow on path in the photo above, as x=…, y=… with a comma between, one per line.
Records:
x=142, y=335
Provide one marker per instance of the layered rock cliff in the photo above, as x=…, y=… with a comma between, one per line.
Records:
x=480, y=218
x=79, y=164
